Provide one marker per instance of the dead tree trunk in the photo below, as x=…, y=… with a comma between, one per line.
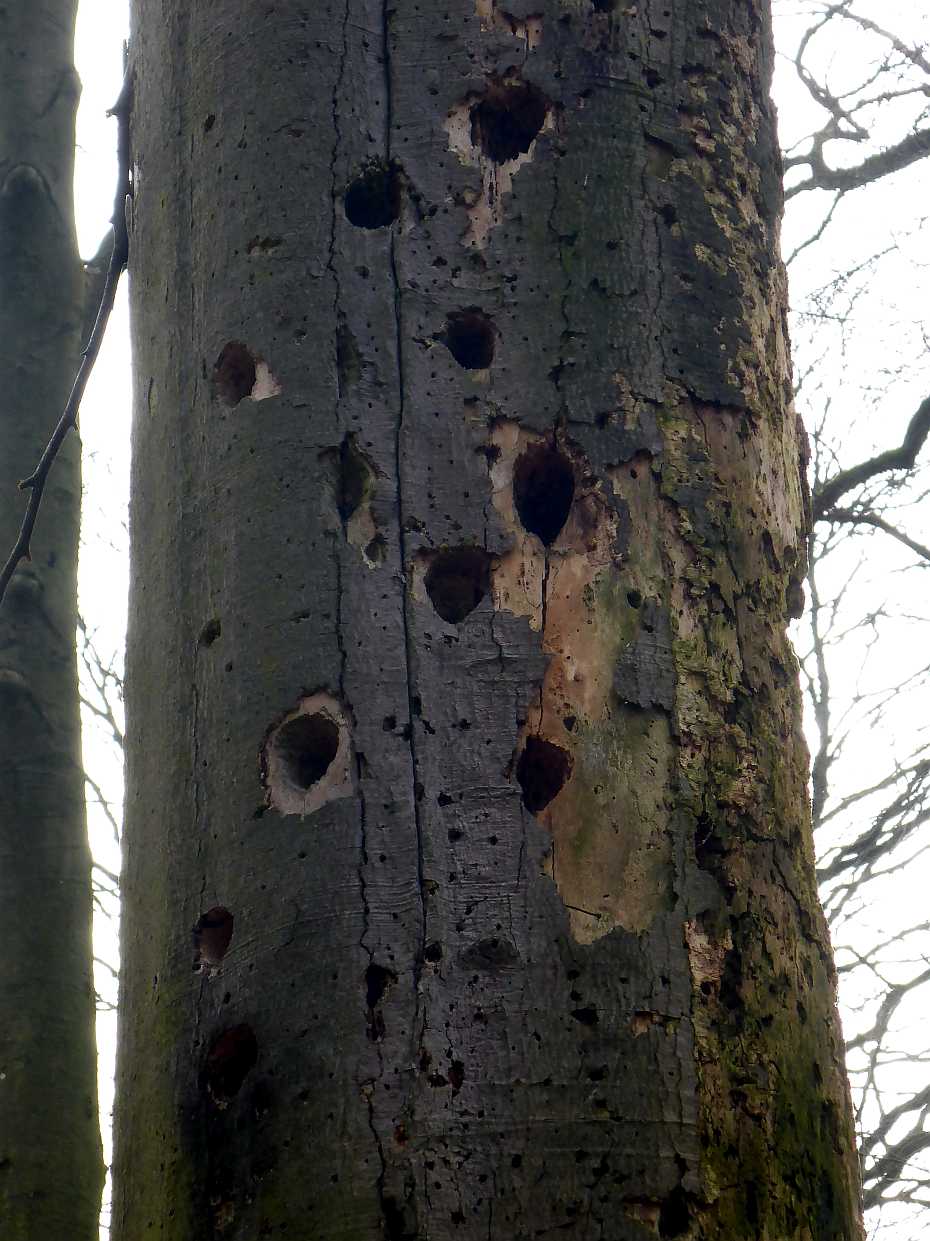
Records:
x=463, y=728
x=50, y=1161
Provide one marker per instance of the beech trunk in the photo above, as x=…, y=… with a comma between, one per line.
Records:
x=464, y=732
x=51, y=1168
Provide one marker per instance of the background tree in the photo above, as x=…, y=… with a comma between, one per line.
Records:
x=463, y=725
x=50, y=1163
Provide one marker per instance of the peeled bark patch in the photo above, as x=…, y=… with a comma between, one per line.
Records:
x=231, y=1057
x=609, y=827
x=529, y=29
x=213, y=934
x=306, y=757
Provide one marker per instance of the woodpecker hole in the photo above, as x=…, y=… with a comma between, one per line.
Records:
x=373, y=199
x=469, y=337
x=234, y=373
x=507, y=119
x=377, y=980
x=229, y=1060
x=457, y=581
x=306, y=745
x=212, y=935
x=210, y=632
x=306, y=760
x=543, y=490
x=674, y=1214
x=492, y=953
x=355, y=476
x=542, y=770
x=238, y=373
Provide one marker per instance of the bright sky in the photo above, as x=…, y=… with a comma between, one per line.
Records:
x=873, y=380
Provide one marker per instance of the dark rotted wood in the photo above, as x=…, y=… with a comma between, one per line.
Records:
x=463, y=453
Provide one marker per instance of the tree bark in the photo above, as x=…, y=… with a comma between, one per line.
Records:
x=51, y=1168
x=463, y=728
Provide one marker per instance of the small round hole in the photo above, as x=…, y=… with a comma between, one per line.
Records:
x=508, y=118
x=230, y=1058
x=306, y=746
x=234, y=373
x=542, y=770
x=212, y=934
x=373, y=198
x=469, y=337
x=457, y=581
x=543, y=490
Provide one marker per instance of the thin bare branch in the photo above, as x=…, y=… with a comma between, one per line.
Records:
x=35, y=483
x=901, y=458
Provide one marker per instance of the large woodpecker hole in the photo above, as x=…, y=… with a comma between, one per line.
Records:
x=542, y=770
x=457, y=581
x=377, y=980
x=543, y=490
x=373, y=198
x=232, y=1055
x=212, y=935
x=507, y=119
x=234, y=373
x=306, y=745
x=469, y=337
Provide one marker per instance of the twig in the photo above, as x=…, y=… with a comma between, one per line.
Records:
x=861, y=517
x=35, y=483
x=900, y=458
x=893, y=159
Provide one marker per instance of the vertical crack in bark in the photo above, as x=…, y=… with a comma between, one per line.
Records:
x=398, y=324
x=334, y=192
x=416, y=1020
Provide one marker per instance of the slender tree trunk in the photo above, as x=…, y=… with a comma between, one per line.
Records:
x=463, y=727
x=50, y=1160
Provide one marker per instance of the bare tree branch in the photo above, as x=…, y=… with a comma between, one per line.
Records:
x=35, y=483
x=901, y=458
x=864, y=517
x=904, y=153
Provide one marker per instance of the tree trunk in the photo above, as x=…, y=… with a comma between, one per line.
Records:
x=50, y=1160
x=463, y=726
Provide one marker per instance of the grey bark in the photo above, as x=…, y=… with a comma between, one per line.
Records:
x=51, y=1170
x=463, y=729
